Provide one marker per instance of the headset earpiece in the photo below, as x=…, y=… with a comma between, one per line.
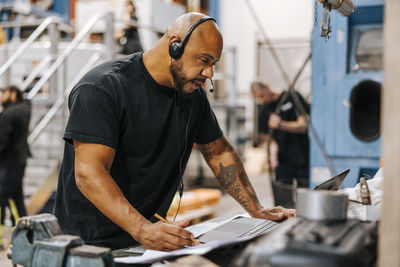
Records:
x=175, y=49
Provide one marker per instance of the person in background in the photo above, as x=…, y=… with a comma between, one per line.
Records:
x=14, y=149
x=129, y=38
x=289, y=143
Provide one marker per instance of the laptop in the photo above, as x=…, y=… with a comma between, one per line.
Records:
x=247, y=227
x=238, y=227
x=334, y=183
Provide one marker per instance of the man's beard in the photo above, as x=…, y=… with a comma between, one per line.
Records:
x=176, y=71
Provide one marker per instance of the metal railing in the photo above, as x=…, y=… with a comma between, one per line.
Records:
x=54, y=62
x=72, y=46
x=60, y=101
x=36, y=22
x=28, y=42
x=35, y=133
x=35, y=72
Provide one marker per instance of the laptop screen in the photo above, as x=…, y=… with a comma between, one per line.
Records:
x=333, y=183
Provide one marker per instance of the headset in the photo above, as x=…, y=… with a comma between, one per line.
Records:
x=176, y=48
x=180, y=156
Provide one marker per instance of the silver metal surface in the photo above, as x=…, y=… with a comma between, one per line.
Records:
x=53, y=51
x=61, y=99
x=70, y=48
x=35, y=72
x=321, y=204
x=345, y=7
x=35, y=34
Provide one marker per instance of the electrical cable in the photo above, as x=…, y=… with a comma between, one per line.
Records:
x=180, y=199
x=180, y=156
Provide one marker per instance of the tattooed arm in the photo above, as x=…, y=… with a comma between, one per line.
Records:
x=228, y=168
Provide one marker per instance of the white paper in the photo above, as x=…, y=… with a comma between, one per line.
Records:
x=152, y=255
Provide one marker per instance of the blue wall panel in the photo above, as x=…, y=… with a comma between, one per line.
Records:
x=332, y=84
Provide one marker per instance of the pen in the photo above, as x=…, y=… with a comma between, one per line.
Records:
x=164, y=220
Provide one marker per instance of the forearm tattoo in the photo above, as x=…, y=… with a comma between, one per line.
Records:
x=227, y=175
x=230, y=173
x=236, y=183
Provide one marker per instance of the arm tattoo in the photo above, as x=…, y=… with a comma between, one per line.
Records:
x=237, y=193
x=246, y=183
x=215, y=148
x=227, y=175
x=232, y=176
x=236, y=184
x=208, y=150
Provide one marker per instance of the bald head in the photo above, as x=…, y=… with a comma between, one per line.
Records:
x=182, y=24
x=189, y=68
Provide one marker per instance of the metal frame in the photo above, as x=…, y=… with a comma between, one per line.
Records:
x=60, y=101
x=291, y=89
x=51, y=24
x=10, y=24
x=35, y=34
x=72, y=46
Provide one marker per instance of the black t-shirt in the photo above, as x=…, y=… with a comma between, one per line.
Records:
x=151, y=128
x=293, y=148
x=14, y=127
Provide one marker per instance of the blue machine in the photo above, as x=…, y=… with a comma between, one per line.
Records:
x=346, y=84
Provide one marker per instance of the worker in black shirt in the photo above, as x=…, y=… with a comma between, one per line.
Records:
x=132, y=124
x=14, y=150
x=289, y=144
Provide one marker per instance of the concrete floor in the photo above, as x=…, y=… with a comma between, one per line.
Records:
x=255, y=159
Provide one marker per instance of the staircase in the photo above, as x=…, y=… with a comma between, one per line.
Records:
x=46, y=150
x=54, y=78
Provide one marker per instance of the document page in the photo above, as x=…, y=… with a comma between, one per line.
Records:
x=152, y=255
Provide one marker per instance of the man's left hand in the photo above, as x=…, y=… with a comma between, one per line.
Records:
x=276, y=214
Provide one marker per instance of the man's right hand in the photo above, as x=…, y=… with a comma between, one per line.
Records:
x=165, y=236
x=274, y=121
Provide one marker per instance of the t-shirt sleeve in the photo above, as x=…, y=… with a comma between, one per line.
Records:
x=93, y=117
x=209, y=129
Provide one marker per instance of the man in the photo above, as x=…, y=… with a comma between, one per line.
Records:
x=14, y=150
x=289, y=146
x=132, y=124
